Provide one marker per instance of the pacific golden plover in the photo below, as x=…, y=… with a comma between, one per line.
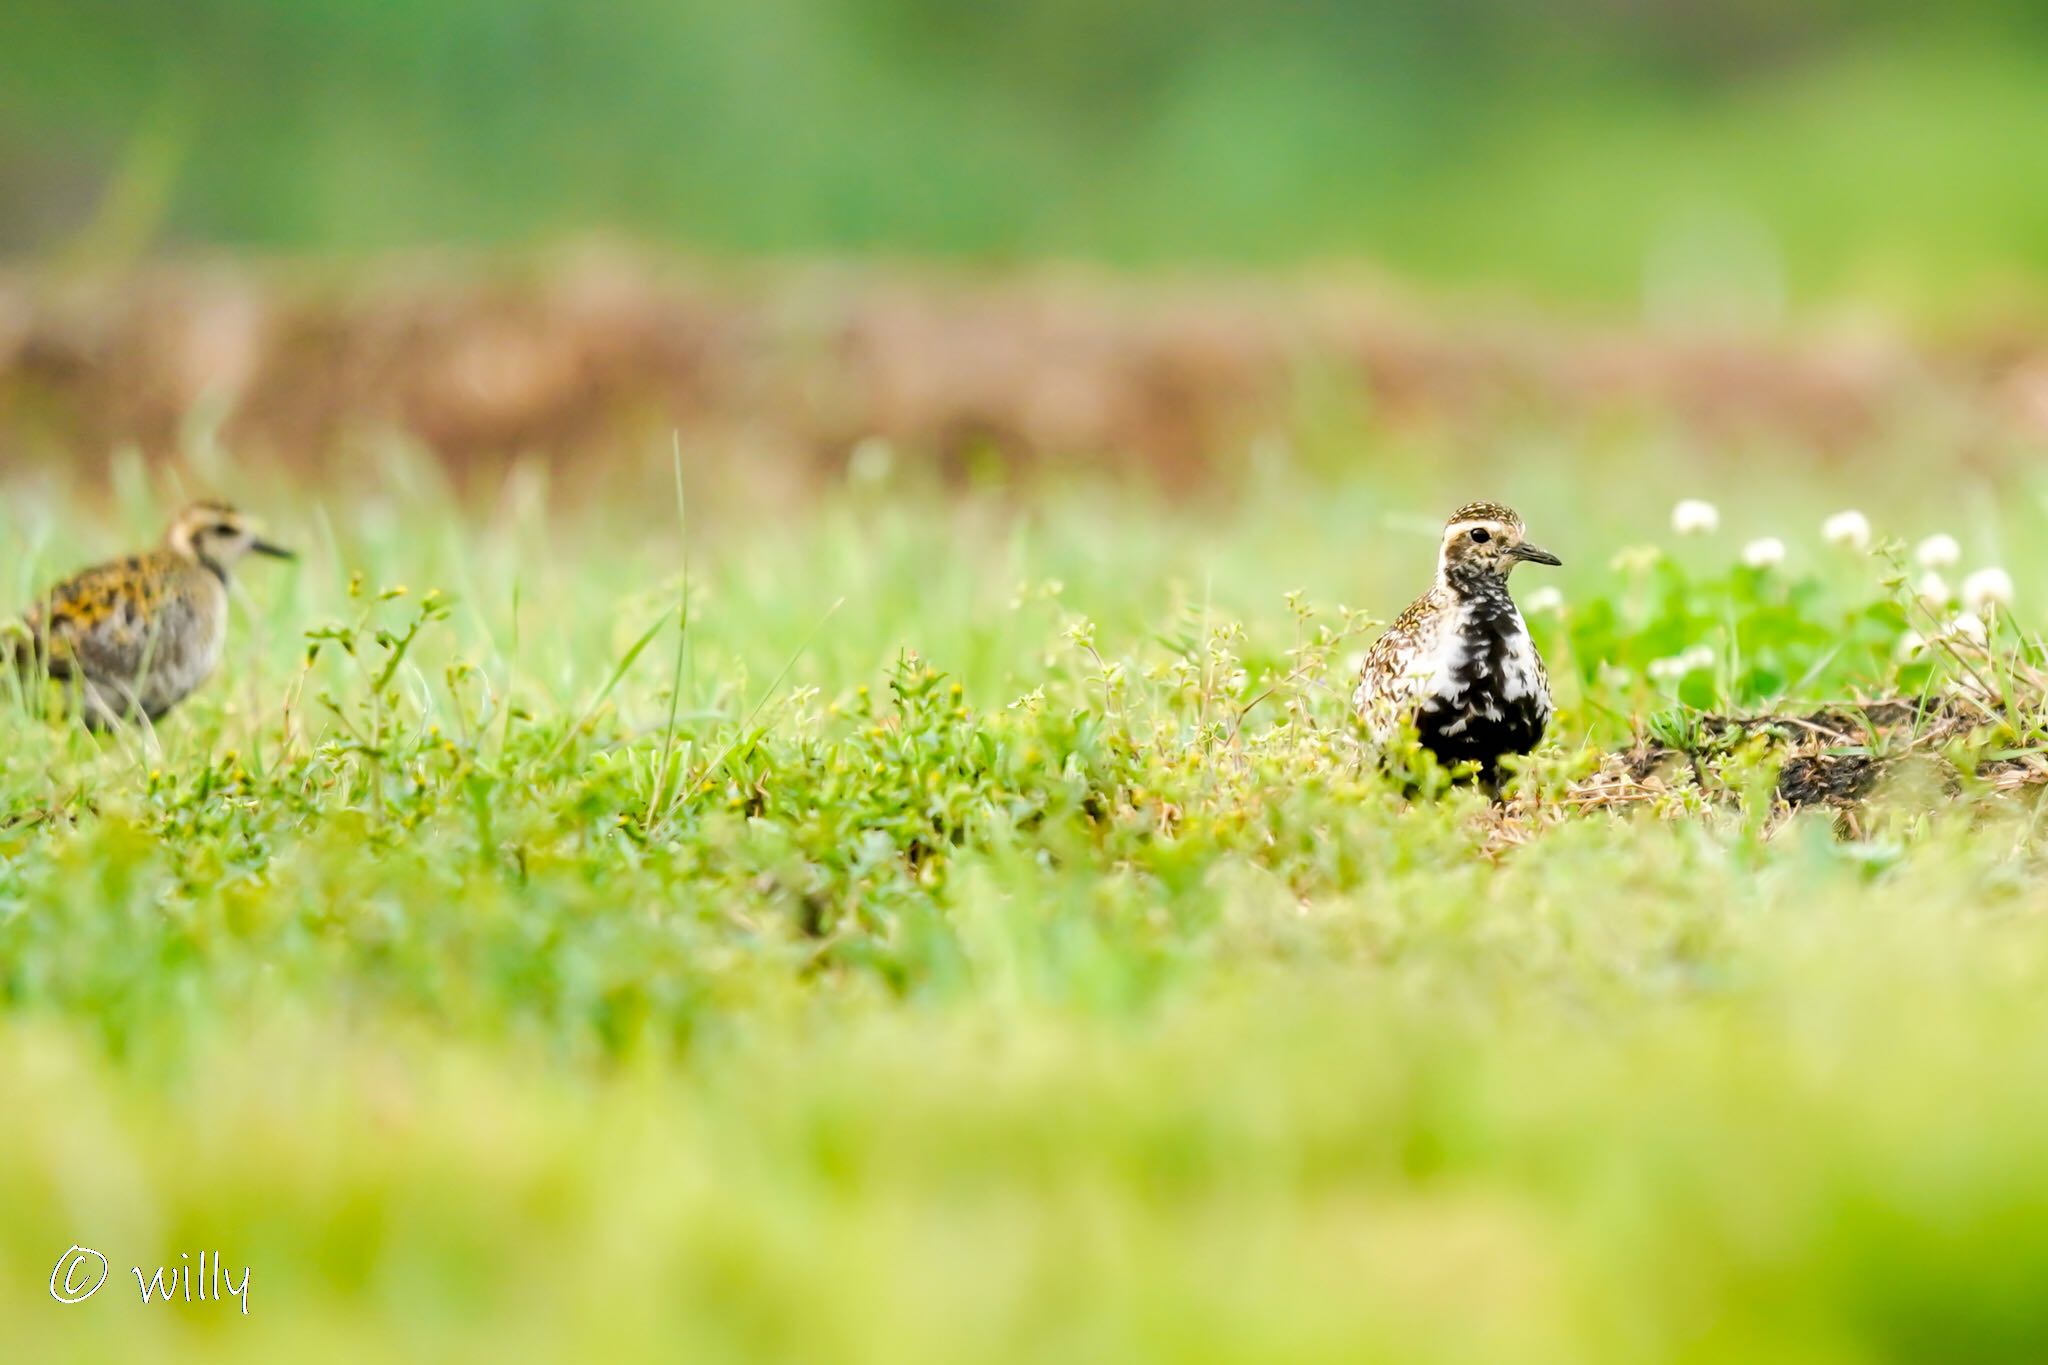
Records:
x=1458, y=665
x=140, y=634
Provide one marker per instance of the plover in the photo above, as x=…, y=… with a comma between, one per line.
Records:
x=140, y=634
x=1458, y=665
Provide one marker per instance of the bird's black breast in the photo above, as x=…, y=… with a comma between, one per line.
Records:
x=1469, y=716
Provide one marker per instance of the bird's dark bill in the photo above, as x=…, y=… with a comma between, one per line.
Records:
x=1536, y=554
x=264, y=547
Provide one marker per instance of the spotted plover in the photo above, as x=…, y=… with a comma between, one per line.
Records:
x=1458, y=665
x=136, y=636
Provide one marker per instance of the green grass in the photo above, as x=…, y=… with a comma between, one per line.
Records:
x=1020, y=964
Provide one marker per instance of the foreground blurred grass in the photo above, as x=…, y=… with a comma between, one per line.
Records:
x=1080, y=1012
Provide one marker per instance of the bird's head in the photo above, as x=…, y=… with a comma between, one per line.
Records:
x=1485, y=540
x=217, y=536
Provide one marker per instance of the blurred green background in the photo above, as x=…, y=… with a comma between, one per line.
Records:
x=1886, y=152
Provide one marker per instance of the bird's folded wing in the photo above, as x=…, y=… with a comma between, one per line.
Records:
x=1393, y=679
x=96, y=624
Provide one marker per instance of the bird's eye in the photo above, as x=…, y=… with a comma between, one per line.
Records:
x=1479, y=534
x=221, y=528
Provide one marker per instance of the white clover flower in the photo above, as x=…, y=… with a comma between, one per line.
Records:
x=1987, y=588
x=1972, y=686
x=1545, y=599
x=1969, y=627
x=1911, y=646
x=1849, y=529
x=1695, y=517
x=1635, y=559
x=1938, y=551
x=1688, y=660
x=1765, y=552
x=1668, y=670
x=1933, y=591
x=871, y=461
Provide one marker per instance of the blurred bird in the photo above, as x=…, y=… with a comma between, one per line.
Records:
x=1458, y=664
x=140, y=634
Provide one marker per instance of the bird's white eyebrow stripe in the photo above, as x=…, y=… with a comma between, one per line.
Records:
x=1457, y=526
